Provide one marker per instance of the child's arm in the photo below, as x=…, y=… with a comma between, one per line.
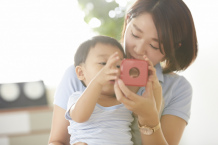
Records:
x=82, y=110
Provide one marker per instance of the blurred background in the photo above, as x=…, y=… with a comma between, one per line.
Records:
x=38, y=40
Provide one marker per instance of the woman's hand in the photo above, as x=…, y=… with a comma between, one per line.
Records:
x=143, y=106
x=156, y=86
x=147, y=106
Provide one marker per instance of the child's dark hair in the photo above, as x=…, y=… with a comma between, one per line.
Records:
x=84, y=48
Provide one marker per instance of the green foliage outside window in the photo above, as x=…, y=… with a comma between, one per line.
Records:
x=109, y=13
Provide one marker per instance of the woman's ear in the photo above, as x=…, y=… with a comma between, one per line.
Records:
x=80, y=73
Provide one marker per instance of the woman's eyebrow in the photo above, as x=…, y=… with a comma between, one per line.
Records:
x=137, y=28
x=155, y=39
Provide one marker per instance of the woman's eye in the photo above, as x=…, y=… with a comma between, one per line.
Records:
x=102, y=63
x=118, y=66
x=154, y=47
x=134, y=35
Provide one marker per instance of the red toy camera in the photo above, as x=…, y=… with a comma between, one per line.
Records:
x=134, y=72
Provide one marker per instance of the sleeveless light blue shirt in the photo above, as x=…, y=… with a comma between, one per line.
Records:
x=177, y=95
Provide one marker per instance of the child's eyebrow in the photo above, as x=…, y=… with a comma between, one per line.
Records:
x=103, y=55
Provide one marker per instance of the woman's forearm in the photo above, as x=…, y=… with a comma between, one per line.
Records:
x=170, y=132
x=59, y=134
x=157, y=137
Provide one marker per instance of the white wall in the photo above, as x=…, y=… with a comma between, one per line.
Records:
x=203, y=126
x=38, y=39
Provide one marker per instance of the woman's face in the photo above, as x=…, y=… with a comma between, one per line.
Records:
x=141, y=39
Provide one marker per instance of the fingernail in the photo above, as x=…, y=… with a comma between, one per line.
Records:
x=119, y=81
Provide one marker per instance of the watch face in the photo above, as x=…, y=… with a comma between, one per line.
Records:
x=147, y=130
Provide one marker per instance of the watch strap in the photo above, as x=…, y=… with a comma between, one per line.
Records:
x=152, y=128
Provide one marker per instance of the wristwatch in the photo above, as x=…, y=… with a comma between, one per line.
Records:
x=148, y=130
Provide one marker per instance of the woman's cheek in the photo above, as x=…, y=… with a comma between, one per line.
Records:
x=128, y=50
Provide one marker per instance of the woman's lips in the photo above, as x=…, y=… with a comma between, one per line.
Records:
x=112, y=81
x=140, y=57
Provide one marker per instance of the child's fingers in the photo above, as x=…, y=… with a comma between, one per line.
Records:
x=113, y=59
x=111, y=77
x=112, y=71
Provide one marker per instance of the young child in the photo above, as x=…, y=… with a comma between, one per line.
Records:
x=95, y=115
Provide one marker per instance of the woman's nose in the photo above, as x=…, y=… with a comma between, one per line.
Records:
x=140, y=49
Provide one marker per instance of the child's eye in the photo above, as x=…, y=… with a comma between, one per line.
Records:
x=102, y=63
x=154, y=47
x=118, y=66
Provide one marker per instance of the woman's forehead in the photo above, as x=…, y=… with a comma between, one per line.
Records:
x=144, y=24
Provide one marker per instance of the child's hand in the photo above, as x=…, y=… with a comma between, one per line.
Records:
x=110, y=72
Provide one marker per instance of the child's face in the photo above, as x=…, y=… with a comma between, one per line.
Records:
x=96, y=60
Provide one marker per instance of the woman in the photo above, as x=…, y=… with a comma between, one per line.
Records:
x=158, y=31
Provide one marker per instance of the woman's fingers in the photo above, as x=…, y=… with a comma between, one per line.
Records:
x=152, y=73
x=129, y=94
x=149, y=62
x=152, y=70
x=149, y=91
x=121, y=97
x=156, y=86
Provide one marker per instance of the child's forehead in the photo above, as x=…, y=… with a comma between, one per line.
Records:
x=104, y=45
x=105, y=48
x=104, y=51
